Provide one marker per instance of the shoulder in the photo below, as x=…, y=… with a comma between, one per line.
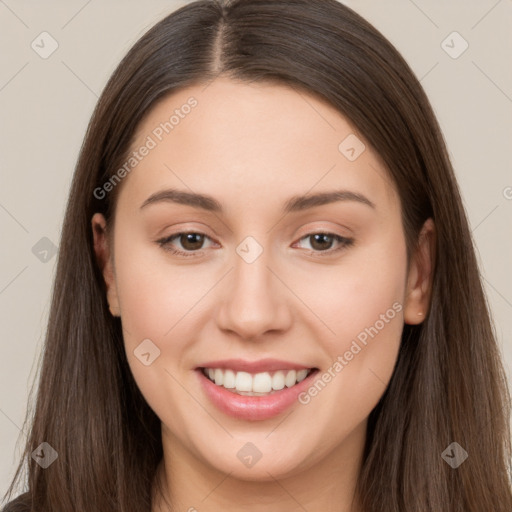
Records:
x=20, y=504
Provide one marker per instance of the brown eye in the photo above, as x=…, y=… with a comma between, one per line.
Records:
x=191, y=241
x=323, y=243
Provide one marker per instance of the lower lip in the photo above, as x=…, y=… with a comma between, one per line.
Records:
x=253, y=408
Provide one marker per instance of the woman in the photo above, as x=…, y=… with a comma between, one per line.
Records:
x=200, y=356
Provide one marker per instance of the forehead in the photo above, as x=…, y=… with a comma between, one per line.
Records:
x=253, y=143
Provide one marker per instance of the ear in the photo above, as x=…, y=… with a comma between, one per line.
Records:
x=419, y=279
x=102, y=251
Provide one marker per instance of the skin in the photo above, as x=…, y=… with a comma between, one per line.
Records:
x=252, y=147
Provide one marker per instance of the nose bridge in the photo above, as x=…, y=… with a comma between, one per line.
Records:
x=253, y=302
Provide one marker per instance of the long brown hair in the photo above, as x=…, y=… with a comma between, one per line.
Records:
x=449, y=384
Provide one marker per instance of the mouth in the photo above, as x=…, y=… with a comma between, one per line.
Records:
x=258, y=384
x=254, y=391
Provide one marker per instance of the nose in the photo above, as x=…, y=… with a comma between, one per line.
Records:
x=253, y=300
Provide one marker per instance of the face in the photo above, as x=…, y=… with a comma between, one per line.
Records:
x=294, y=306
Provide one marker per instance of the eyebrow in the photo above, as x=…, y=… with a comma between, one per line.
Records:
x=294, y=204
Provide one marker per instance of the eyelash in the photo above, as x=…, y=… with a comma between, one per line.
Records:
x=343, y=241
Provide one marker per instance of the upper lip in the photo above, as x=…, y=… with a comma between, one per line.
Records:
x=262, y=365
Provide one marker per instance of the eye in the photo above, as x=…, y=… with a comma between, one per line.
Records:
x=322, y=243
x=191, y=241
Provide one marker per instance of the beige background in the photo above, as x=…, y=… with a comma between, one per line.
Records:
x=45, y=105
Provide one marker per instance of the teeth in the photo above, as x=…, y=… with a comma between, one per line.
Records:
x=243, y=381
x=263, y=383
x=278, y=381
x=301, y=375
x=219, y=377
x=290, y=379
x=229, y=379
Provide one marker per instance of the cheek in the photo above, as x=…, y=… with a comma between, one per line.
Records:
x=363, y=291
x=157, y=303
x=155, y=295
x=367, y=320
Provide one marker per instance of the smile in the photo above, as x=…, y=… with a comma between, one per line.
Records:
x=252, y=391
x=259, y=384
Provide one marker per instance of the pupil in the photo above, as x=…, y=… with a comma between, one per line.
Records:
x=189, y=239
x=320, y=236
